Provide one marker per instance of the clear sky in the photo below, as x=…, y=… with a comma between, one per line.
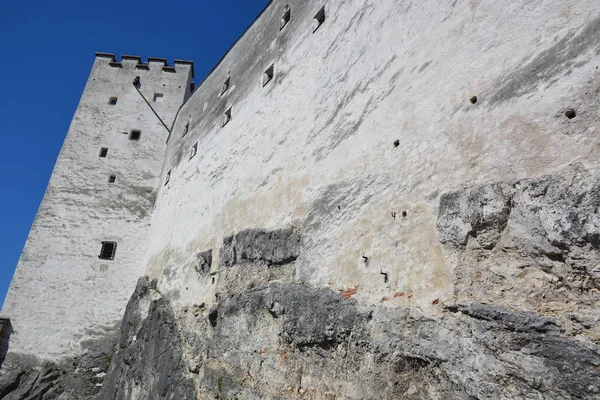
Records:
x=46, y=53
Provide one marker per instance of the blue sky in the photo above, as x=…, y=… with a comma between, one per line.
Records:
x=46, y=53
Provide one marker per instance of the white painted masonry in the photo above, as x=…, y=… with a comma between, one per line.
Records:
x=315, y=149
x=62, y=293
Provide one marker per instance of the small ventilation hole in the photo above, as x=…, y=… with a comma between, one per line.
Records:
x=473, y=100
x=570, y=113
x=396, y=143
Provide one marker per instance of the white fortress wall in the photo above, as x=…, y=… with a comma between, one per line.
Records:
x=62, y=292
x=317, y=143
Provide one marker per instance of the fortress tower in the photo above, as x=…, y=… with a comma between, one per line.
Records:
x=85, y=249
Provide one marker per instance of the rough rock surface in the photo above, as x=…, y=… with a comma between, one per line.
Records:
x=271, y=247
x=293, y=341
x=74, y=378
x=535, y=239
x=148, y=362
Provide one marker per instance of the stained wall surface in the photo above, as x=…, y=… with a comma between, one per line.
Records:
x=62, y=292
x=367, y=121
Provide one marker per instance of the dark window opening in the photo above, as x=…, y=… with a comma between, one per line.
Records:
x=473, y=99
x=168, y=177
x=404, y=214
x=185, y=129
x=226, y=117
x=268, y=75
x=285, y=18
x=319, y=19
x=194, y=150
x=158, y=97
x=108, y=250
x=103, y=152
x=112, y=101
x=396, y=143
x=112, y=179
x=135, y=135
x=225, y=87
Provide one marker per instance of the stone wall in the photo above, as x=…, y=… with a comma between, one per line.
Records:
x=366, y=123
x=62, y=293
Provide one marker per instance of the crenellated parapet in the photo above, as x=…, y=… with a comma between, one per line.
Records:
x=138, y=63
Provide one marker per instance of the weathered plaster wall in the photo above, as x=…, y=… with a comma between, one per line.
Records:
x=314, y=149
x=62, y=293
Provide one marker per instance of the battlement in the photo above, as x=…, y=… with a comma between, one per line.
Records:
x=139, y=64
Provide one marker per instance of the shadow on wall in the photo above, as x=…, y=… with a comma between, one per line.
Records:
x=5, y=332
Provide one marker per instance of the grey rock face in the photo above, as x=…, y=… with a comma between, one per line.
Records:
x=552, y=216
x=531, y=244
x=309, y=317
x=147, y=362
x=271, y=247
x=478, y=214
x=28, y=378
x=204, y=262
x=293, y=341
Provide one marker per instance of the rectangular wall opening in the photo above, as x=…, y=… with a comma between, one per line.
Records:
x=113, y=101
x=103, y=152
x=319, y=19
x=285, y=18
x=268, y=75
x=112, y=179
x=158, y=97
x=135, y=135
x=225, y=87
x=194, y=150
x=108, y=250
x=226, y=117
x=185, y=129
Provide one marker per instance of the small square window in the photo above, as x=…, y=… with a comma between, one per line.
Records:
x=135, y=135
x=226, y=117
x=285, y=18
x=185, y=129
x=112, y=179
x=108, y=250
x=158, y=97
x=168, y=177
x=268, y=75
x=112, y=101
x=225, y=87
x=194, y=150
x=319, y=19
x=103, y=152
